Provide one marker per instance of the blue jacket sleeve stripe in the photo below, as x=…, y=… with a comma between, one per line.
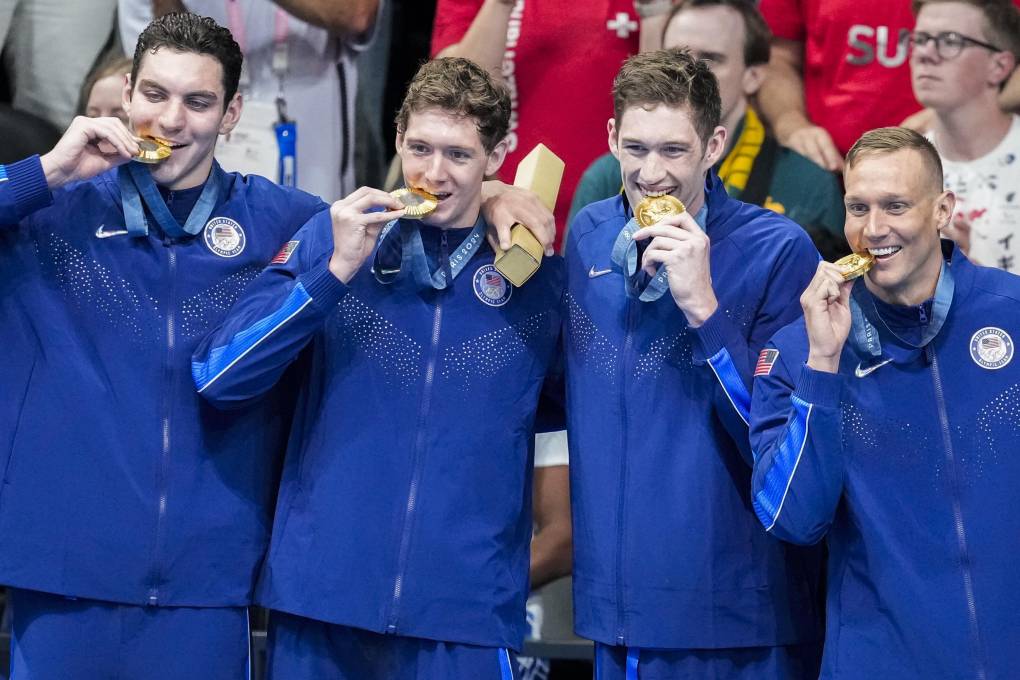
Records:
x=3, y=173
x=768, y=502
x=222, y=358
x=732, y=384
x=506, y=669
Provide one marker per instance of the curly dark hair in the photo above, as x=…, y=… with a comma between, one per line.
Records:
x=187, y=32
x=459, y=86
x=673, y=77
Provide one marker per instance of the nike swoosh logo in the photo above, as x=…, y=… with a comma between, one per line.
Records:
x=107, y=234
x=862, y=372
x=595, y=273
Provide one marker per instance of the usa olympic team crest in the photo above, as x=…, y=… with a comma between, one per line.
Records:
x=224, y=237
x=490, y=286
x=991, y=348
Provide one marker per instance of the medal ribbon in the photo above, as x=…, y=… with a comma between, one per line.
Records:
x=414, y=260
x=137, y=185
x=863, y=333
x=636, y=283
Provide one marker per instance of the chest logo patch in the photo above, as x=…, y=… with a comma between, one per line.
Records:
x=224, y=237
x=991, y=348
x=490, y=286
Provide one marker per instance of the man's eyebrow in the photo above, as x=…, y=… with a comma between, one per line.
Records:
x=207, y=94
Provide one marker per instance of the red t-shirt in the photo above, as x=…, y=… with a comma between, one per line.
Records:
x=560, y=61
x=856, y=61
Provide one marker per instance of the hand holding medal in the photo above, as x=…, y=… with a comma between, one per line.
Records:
x=826, y=305
x=355, y=230
x=88, y=147
x=676, y=242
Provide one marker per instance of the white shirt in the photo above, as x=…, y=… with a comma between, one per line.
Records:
x=988, y=200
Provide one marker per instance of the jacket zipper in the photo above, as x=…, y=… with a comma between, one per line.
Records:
x=416, y=459
x=961, y=534
x=625, y=364
x=161, y=479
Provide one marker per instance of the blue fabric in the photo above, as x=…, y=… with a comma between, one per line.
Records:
x=221, y=358
x=793, y=662
x=769, y=500
x=649, y=419
x=908, y=472
x=732, y=383
x=140, y=199
x=396, y=528
x=56, y=638
x=306, y=649
x=140, y=492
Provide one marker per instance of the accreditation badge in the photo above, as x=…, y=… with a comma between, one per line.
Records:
x=251, y=148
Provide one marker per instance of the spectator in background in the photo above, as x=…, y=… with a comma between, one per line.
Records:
x=103, y=92
x=302, y=51
x=838, y=68
x=733, y=39
x=48, y=48
x=558, y=58
x=963, y=52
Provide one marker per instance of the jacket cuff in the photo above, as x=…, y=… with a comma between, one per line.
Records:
x=325, y=289
x=819, y=387
x=711, y=336
x=28, y=183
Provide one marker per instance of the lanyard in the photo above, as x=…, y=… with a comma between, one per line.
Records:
x=625, y=255
x=136, y=186
x=413, y=259
x=863, y=333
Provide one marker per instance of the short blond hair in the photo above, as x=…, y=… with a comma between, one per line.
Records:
x=887, y=140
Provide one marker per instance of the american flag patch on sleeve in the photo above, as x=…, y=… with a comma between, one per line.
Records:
x=765, y=361
x=285, y=252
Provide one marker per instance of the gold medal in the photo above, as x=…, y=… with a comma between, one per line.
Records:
x=651, y=209
x=152, y=150
x=854, y=265
x=417, y=202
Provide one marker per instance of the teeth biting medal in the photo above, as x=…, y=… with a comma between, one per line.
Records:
x=855, y=264
x=417, y=202
x=152, y=149
x=651, y=209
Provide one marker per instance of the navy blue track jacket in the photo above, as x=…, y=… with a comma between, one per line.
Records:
x=405, y=504
x=909, y=470
x=667, y=552
x=119, y=482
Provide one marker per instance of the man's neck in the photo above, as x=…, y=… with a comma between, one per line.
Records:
x=971, y=131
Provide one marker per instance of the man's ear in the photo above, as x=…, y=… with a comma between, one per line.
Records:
x=125, y=95
x=1001, y=68
x=715, y=147
x=753, y=77
x=496, y=157
x=232, y=115
x=614, y=138
x=945, y=204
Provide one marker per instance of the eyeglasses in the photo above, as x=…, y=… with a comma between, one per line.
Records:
x=948, y=44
